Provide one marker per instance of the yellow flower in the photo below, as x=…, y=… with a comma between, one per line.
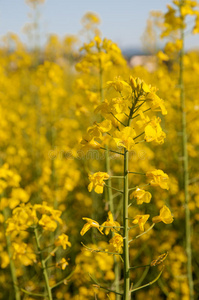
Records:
x=141, y=220
x=162, y=56
x=97, y=182
x=62, y=264
x=124, y=138
x=4, y=259
x=90, y=223
x=118, y=84
x=117, y=243
x=141, y=196
x=23, y=217
x=156, y=103
x=104, y=126
x=97, y=129
x=158, y=178
x=110, y=223
x=62, y=240
x=165, y=216
x=153, y=132
x=89, y=142
x=23, y=254
x=47, y=223
x=144, y=120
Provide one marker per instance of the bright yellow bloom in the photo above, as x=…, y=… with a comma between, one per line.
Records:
x=43, y=208
x=62, y=240
x=153, y=132
x=165, y=216
x=23, y=217
x=104, y=126
x=117, y=243
x=144, y=120
x=97, y=182
x=141, y=196
x=90, y=223
x=162, y=56
x=172, y=47
x=118, y=84
x=124, y=138
x=156, y=103
x=89, y=142
x=62, y=264
x=110, y=223
x=4, y=259
x=141, y=220
x=23, y=254
x=18, y=195
x=47, y=223
x=97, y=129
x=158, y=178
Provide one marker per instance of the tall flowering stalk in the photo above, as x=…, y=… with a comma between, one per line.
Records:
x=185, y=159
x=103, y=54
x=175, y=22
x=128, y=118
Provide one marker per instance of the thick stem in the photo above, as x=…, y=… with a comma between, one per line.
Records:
x=185, y=168
x=125, y=224
x=111, y=207
x=43, y=264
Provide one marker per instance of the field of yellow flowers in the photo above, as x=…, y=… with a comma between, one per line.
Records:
x=99, y=177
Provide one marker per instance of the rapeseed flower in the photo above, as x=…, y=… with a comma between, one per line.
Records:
x=158, y=178
x=124, y=138
x=116, y=243
x=63, y=241
x=110, y=223
x=141, y=196
x=90, y=223
x=165, y=216
x=97, y=182
x=140, y=220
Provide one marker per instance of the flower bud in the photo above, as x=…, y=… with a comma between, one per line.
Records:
x=133, y=82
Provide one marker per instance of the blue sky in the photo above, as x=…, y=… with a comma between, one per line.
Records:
x=123, y=21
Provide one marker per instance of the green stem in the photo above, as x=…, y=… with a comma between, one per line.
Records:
x=185, y=166
x=150, y=283
x=12, y=266
x=127, y=293
x=139, y=135
x=111, y=151
x=125, y=224
x=143, y=112
x=137, y=236
x=137, y=173
x=118, y=120
x=137, y=267
x=43, y=264
x=111, y=207
x=32, y=294
x=109, y=188
x=63, y=280
x=103, y=287
x=140, y=186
